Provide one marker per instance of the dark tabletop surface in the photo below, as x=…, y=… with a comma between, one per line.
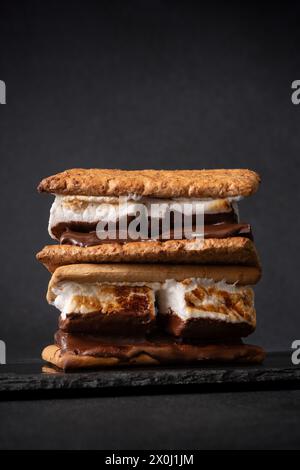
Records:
x=245, y=419
x=39, y=380
x=249, y=407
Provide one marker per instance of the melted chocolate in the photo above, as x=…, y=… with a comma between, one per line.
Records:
x=86, y=227
x=162, y=348
x=228, y=230
x=224, y=230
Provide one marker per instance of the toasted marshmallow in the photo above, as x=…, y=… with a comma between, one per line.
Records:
x=72, y=297
x=192, y=298
x=92, y=209
x=204, y=298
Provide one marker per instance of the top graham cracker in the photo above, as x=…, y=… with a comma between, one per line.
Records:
x=153, y=183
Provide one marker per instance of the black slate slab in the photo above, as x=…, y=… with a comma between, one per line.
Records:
x=20, y=379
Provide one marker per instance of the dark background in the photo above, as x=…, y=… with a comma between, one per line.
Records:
x=152, y=84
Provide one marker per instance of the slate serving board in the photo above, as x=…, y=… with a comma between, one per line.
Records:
x=29, y=378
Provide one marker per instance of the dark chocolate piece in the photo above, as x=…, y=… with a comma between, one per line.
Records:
x=133, y=323
x=203, y=328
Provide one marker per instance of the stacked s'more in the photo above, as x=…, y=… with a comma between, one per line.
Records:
x=139, y=300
